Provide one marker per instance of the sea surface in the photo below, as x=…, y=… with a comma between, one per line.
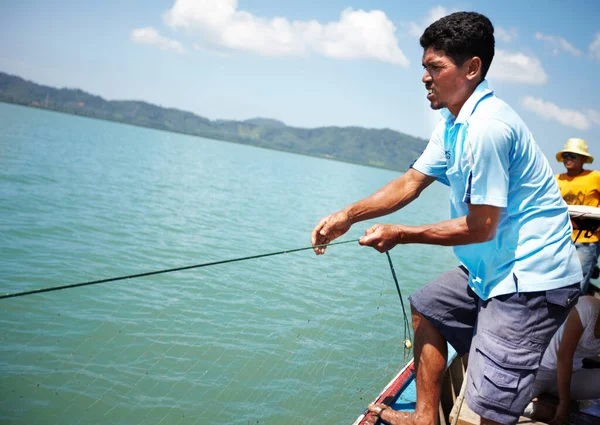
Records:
x=285, y=339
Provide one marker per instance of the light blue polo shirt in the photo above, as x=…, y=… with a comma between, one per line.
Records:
x=488, y=157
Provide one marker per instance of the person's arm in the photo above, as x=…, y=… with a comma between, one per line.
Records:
x=478, y=226
x=395, y=195
x=485, y=177
x=564, y=365
x=431, y=165
x=390, y=198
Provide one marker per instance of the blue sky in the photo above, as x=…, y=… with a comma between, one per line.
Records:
x=308, y=63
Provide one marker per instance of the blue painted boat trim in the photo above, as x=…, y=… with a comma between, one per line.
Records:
x=407, y=396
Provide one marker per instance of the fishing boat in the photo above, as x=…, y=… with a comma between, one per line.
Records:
x=401, y=394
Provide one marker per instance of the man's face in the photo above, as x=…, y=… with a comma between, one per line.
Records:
x=572, y=161
x=447, y=84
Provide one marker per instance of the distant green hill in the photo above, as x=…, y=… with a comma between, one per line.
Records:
x=266, y=122
x=379, y=148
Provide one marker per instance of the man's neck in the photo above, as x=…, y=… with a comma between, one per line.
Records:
x=574, y=173
x=457, y=107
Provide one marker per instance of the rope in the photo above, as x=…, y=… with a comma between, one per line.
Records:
x=458, y=404
x=407, y=342
x=176, y=269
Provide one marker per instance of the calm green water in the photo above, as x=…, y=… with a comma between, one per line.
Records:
x=290, y=339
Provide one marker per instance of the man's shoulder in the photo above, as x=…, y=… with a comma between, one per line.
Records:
x=493, y=109
x=492, y=127
x=437, y=135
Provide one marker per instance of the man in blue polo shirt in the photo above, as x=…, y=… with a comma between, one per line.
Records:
x=509, y=226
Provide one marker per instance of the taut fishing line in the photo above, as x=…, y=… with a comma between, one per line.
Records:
x=176, y=269
x=407, y=341
x=407, y=333
x=155, y=351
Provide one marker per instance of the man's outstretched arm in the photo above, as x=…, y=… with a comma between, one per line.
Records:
x=479, y=225
x=390, y=198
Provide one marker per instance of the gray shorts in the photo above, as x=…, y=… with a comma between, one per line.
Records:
x=505, y=337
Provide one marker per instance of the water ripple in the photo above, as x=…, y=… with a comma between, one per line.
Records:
x=275, y=340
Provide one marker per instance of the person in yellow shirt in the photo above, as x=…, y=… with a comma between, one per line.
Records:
x=581, y=187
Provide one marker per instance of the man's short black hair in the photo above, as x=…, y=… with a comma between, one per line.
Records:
x=461, y=36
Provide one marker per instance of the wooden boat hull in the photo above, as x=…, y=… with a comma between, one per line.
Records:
x=401, y=393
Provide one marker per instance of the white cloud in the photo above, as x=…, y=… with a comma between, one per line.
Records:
x=557, y=44
x=581, y=120
x=594, y=116
x=506, y=35
x=518, y=68
x=204, y=49
x=360, y=34
x=416, y=28
x=595, y=47
x=357, y=34
x=151, y=37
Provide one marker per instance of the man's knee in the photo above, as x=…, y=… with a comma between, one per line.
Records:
x=416, y=318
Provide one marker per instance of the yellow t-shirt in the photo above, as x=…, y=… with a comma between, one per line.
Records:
x=583, y=189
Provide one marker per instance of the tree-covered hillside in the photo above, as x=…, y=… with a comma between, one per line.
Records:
x=380, y=148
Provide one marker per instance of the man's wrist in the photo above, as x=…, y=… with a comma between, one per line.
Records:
x=400, y=235
x=349, y=215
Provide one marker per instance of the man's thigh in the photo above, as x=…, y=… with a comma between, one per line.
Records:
x=449, y=303
x=510, y=338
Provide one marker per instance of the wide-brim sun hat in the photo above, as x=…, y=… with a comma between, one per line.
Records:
x=578, y=146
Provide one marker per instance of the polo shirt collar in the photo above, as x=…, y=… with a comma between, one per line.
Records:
x=467, y=109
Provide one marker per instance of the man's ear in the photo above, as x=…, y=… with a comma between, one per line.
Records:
x=474, y=68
